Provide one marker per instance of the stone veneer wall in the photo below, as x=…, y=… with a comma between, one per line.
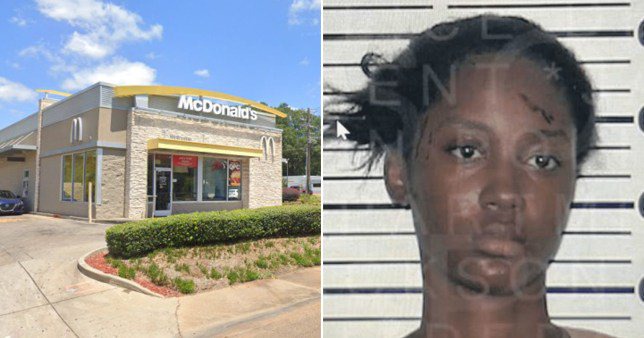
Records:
x=112, y=185
x=261, y=179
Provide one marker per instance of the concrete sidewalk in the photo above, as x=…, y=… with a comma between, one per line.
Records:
x=43, y=294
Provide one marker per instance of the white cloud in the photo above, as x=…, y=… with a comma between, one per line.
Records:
x=304, y=62
x=18, y=21
x=202, y=73
x=15, y=92
x=152, y=55
x=58, y=63
x=299, y=7
x=102, y=27
x=119, y=71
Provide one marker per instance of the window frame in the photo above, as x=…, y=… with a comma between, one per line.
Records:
x=73, y=169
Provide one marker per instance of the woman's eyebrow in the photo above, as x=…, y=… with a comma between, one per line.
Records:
x=457, y=121
x=535, y=108
x=554, y=133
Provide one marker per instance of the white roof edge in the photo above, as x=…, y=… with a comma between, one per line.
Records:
x=97, y=84
x=22, y=119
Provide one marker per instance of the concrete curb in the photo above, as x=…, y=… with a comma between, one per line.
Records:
x=101, y=276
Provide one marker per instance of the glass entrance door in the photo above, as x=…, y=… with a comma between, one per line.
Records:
x=163, y=192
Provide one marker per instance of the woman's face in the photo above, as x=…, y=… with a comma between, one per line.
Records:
x=492, y=175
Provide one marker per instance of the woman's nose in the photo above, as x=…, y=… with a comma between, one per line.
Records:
x=501, y=191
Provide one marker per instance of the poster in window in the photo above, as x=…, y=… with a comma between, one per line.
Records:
x=234, y=174
x=234, y=180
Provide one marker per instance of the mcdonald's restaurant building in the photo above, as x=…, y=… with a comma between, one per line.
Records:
x=144, y=150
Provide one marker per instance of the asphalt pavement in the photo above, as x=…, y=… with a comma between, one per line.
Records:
x=44, y=295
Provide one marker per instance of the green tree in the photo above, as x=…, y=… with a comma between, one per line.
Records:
x=294, y=140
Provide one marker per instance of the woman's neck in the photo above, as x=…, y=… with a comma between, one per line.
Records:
x=451, y=311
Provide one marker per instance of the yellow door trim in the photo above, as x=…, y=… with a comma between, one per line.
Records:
x=198, y=147
x=122, y=91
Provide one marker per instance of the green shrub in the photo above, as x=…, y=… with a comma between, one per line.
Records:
x=290, y=194
x=233, y=277
x=182, y=268
x=157, y=276
x=141, y=237
x=301, y=260
x=184, y=285
x=215, y=274
x=250, y=275
x=261, y=262
x=203, y=269
x=126, y=272
x=310, y=199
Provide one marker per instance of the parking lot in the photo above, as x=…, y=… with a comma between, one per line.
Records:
x=43, y=293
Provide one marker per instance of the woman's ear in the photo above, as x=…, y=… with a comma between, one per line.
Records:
x=396, y=177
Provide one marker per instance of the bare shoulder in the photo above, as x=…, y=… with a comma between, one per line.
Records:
x=580, y=333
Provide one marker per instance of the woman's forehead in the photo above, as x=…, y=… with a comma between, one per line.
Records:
x=495, y=89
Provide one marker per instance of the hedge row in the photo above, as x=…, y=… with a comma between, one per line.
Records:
x=140, y=237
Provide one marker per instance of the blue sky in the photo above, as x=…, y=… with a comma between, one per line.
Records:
x=263, y=50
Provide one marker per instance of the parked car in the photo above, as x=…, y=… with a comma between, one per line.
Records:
x=10, y=203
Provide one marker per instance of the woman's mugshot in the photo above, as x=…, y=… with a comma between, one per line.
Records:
x=484, y=124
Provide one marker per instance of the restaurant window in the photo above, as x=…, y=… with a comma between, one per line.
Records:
x=162, y=161
x=77, y=187
x=90, y=174
x=184, y=178
x=234, y=180
x=214, y=179
x=79, y=170
x=67, y=178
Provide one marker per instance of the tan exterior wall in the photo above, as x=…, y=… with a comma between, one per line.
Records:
x=112, y=185
x=50, y=190
x=112, y=125
x=261, y=179
x=11, y=175
x=57, y=135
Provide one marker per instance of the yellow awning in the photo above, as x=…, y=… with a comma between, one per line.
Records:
x=198, y=147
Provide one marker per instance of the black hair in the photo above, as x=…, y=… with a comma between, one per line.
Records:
x=398, y=92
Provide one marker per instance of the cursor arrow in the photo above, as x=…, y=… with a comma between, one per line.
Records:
x=341, y=131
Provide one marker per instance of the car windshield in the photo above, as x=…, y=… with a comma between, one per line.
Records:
x=6, y=194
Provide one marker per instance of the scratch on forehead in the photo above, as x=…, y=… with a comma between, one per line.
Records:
x=421, y=135
x=535, y=108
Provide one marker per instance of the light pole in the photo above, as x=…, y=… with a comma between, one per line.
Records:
x=308, y=151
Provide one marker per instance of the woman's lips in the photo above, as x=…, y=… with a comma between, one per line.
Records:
x=497, y=247
x=500, y=240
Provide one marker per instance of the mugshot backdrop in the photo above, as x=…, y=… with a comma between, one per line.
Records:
x=372, y=277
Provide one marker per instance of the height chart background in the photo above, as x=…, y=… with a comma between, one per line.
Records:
x=372, y=279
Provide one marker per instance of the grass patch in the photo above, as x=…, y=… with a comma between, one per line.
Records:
x=157, y=276
x=182, y=268
x=184, y=286
x=262, y=262
x=215, y=274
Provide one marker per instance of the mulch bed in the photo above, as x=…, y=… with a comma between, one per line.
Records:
x=97, y=261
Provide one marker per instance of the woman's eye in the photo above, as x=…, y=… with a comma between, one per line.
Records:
x=466, y=152
x=545, y=162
